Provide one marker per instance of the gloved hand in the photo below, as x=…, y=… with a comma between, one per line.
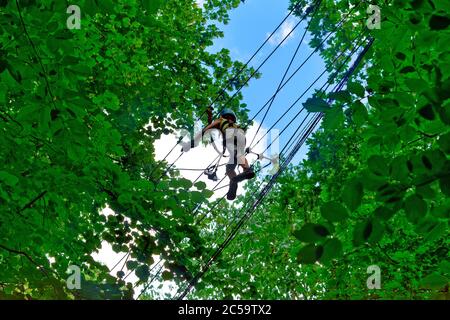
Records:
x=186, y=146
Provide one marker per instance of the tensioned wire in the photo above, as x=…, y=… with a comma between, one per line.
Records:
x=263, y=193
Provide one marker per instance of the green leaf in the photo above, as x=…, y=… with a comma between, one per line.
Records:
x=426, y=191
x=3, y=93
x=8, y=179
x=125, y=198
x=441, y=211
x=316, y=105
x=166, y=275
x=359, y=112
x=384, y=213
x=311, y=233
x=334, y=118
x=334, y=211
x=444, y=143
x=444, y=266
x=309, y=254
x=76, y=152
x=332, y=249
x=183, y=183
x=376, y=231
x=197, y=196
x=434, y=281
x=352, y=194
x=439, y=22
x=439, y=230
x=343, y=96
x=107, y=100
x=200, y=185
x=356, y=88
x=370, y=231
x=444, y=114
x=14, y=73
x=416, y=85
x=399, y=170
x=207, y=193
x=132, y=264
x=378, y=165
x=415, y=208
x=152, y=6
x=142, y=272
x=444, y=184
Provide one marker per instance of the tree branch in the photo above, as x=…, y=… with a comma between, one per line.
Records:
x=26, y=255
x=30, y=204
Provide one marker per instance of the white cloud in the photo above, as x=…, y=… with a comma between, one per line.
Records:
x=283, y=32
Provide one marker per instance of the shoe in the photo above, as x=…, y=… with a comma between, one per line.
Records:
x=247, y=174
x=231, y=195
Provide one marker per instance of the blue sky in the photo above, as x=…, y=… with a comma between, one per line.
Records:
x=250, y=25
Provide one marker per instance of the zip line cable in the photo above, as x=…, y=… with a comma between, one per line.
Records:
x=231, y=236
x=288, y=145
x=248, y=200
x=358, y=38
x=233, y=96
x=302, y=132
x=337, y=88
x=268, y=187
x=201, y=219
x=314, y=121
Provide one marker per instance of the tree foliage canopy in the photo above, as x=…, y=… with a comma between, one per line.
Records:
x=80, y=111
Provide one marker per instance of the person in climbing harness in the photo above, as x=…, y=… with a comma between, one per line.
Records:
x=234, y=142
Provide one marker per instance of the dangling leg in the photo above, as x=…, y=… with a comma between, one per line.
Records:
x=231, y=195
x=231, y=173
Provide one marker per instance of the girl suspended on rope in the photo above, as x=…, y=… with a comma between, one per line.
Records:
x=234, y=142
